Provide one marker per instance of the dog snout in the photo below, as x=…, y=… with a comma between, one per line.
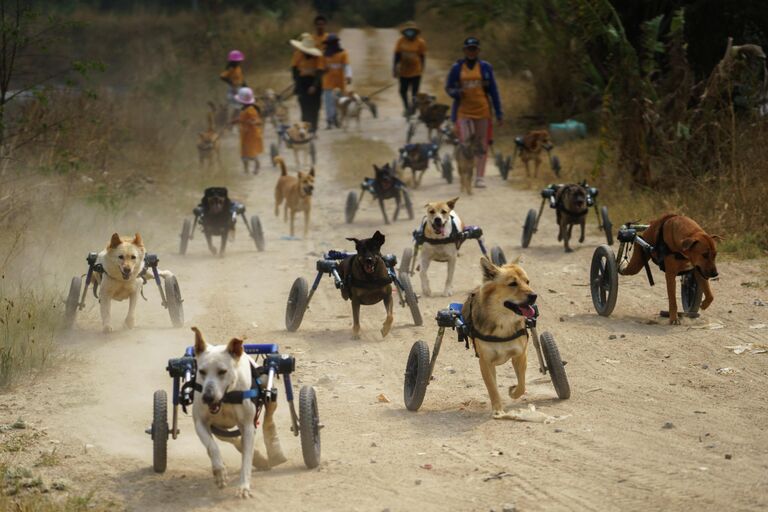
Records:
x=438, y=221
x=713, y=273
x=208, y=397
x=532, y=299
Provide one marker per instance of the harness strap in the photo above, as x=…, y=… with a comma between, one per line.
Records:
x=484, y=337
x=661, y=250
x=231, y=397
x=454, y=238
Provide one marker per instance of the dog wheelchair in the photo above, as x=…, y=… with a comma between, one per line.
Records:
x=300, y=294
x=408, y=261
x=183, y=371
x=210, y=228
x=420, y=366
x=284, y=139
x=532, y=218
x=505, y=165
x=170, y=295
x=604, y=273
x=384, y=186
x=417, y=157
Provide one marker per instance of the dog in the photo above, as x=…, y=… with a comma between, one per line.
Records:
x=217, y=218
x=530, y=148
x=366, y=281
x=297, y=193
x=208, y=144
x=465, y=154
x=431, y=113
x=298, y=138
x=440, y=225
x=417, y=158
x=350, y=105
x=570, y=209
x=680, y=245
x=498, y=309
x=273, y=109
x=221, y=369
x=387, y=186
x=122, y=277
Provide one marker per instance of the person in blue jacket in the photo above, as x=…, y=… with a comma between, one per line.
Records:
x=475, y=95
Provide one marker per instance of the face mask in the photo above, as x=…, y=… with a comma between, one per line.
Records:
x=409, y=33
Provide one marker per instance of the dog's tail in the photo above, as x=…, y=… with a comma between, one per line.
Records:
x=278, y=160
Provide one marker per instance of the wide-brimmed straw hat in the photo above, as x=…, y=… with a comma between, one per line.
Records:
x=245, y=96
x=410, y=25
x=306, y=44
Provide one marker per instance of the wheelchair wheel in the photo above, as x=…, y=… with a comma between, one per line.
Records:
x=604, y=280
x=448, y=168
x=174, y=301
x=607, y=226
x=297, y=304
x=257, y=232
x=408, y=204
x=309, y=427
x=405, y=262
x=351, y=208
x=186, y=230
x=555, y=366
x=528, y=228
x=73, y=300
x=411, y=132
x=159, y=432
x=312, y=153
x=273, y=152
x=498, y=159
x=411, y=300
x=497, y=256
x=416, y=376
x=690, y=293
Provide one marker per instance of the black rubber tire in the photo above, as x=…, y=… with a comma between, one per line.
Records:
x=350, y=209
x=410, y=133
x=159, y=431
x=607, y=225
x=312, y=153
x=297, y=304
x=411, y=300
x=186, y=230
x=498, y=159
x=258, y=233
x=604, y=280
x=690, y=295
x=73, y=301
x=273, y=152
x=174, y=301
x=408, y=203
x=405, y=262
x=528, y=226
x=309, y=427
x=416, y=376
x=555, y=366
x=497, y=256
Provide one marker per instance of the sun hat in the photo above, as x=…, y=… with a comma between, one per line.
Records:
x=410, y=25
x=245, y=96
x=236, y=56
x=306, y=45
x=471, y=42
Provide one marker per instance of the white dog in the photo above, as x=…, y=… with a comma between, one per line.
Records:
x=440, y=225
x=350, y=105
x=221, y=369
x=298, y=138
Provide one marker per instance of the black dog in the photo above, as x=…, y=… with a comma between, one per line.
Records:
x=572, y=208
x=216, y=217
x=366, y=280
x=387, y=186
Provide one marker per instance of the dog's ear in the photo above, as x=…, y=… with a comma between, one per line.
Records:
x=200, y=345
x=490, y=271
x=355, y=240
x=688, y=243
x=235, y=347
x=452, y=202
x=378, y=238
x=717, y=238
x=137, y=240
x=114, y=241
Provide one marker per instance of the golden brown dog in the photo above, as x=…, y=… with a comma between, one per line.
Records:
x=431, y=113
x=208, y=145
x=534, y=143
x=496, y=313
x=297, y=193
x=680, y=245
x=465, y=154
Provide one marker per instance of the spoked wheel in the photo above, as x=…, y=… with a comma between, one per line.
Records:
x=528, y=228
x=604, y=280
x=405, y=262
x=411, y=300
x=555, y=366
x=258, y=233
x=446, y=168
x=312, y=153
x=174, y=301
x=408, y=204
x=411, y=132
x=607, y=226
x=159, y=432
x=297, y=304
x=351, y=207
x=273, y=152
x=73, y=300
x=497, y=256
x=690, y=293
x=309, y=427
x=186, y=230
x=416, y=376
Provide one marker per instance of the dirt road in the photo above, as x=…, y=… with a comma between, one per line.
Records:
x=630, y=374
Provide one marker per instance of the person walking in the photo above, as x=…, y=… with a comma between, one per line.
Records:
x=409, y=63
x=251, y=141
x=337, y=75
x=472, y=86
x=307, y=69
x=233, y=75
x=320, y=36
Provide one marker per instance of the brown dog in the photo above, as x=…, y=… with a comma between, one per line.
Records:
x=297, y=193
x=680, y=245
x=466, y=154
x=431, y=113
x=208, y=144
x=534, y=143
x=298, y=138
x=571, y=209
x=496, y=313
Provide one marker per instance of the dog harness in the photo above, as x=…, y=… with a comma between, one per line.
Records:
x=454, y=238
x=471, y=332
x=661, y=250
x=377, y=282
x=560, y=206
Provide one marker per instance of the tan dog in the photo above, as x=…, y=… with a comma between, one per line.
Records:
x=298, y=138
x=534, y=143
x=497, y=311
x=221, y=369
x=297, y=193
x=208, y=145
x=680, y=245
x=466, y=154
x=439, y=225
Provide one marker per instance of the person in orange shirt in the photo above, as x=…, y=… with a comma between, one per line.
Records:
x=307, y=69
x=233, y=74
x=251, y=142
x=337, y=75
x=409, y=64
x=320, y=36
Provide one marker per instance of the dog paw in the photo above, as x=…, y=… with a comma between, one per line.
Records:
x=385, y=330
x=426, y=292
x=220, y=477
x=107, y=329
x=243, y=492
x=448, y=292
x=581, y=239
x=129, y=323
x=516, y=391
x=355, y=336
x=499, y=415
x=260, y=462
x=705, y=304
x=674, y=321
x=568, y=249
x=277, y=458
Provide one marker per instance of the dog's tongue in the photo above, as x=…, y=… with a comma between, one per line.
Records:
x=438, y=229
x=527, y=311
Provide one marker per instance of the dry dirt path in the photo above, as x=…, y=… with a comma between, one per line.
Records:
x=630, y=374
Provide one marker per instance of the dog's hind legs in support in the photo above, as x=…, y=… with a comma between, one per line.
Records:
x=390, y=318
x=271, y=441
x=636, y=262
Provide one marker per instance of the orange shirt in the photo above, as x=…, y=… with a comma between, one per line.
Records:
x=474, y=102
x=251, y=144
x=234, y=76
x=307, y=64
x=320, y=40
x=333, y=78
x=411, y=52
